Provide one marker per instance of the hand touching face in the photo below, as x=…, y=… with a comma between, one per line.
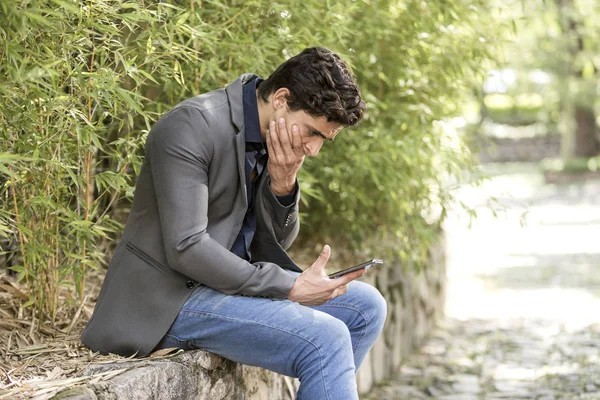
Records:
x=313, y=131
x=286, y=155
x=289, y=141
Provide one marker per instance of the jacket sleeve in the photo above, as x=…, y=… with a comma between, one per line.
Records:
x=284, y=217
x=179, y=150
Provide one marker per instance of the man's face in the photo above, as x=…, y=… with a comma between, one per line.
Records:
x=314, y=131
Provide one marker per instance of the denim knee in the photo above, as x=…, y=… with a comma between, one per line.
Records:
x=376, y=306
x=329, y=340
x=332, y=335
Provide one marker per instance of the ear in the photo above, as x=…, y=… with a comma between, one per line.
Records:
x=280, y=98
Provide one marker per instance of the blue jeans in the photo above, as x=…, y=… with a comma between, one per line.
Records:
x=322, y=345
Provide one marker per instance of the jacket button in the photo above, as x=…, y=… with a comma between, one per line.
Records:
x=191, y=284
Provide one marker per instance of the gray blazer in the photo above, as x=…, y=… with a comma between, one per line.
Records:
x=189, y=204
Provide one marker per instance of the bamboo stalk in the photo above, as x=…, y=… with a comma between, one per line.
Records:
x=88, y=163
x=56, y=263
x=230, y=20
x=46, y=297
x=196, y=72
x=17, y=222
x=115, y=194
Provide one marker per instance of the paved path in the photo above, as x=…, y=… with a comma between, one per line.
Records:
x=523, y=307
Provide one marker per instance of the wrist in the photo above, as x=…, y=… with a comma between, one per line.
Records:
x=282, y=189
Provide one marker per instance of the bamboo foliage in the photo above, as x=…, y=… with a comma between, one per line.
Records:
x=83, y=81
x=73, y=102
x=393, y=179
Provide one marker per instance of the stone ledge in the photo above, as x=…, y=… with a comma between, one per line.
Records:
x=190, y=374
x=193, y=374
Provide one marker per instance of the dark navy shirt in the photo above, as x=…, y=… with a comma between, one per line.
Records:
x=256, y=157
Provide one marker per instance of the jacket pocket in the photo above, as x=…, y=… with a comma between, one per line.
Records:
x=145, y=257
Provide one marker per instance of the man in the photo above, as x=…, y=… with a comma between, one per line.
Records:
x=202, y=261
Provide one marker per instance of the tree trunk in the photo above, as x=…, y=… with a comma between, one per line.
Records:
x=579, y=121
x=586, y=139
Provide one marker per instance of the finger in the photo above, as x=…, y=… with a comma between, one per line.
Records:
x=297, y=141
x=268, y=137
x=347, y=278
x=275, y=143
x=340, y=291
x=273, y=154
x=284, y=137
x=319, y=265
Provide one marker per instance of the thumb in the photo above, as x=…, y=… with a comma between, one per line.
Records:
x=319, y=265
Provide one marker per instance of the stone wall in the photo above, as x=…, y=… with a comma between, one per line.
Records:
x=197, y=375
x=510, y=149
x=415, y=303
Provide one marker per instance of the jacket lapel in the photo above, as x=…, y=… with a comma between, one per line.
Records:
x=240, y=147
x=236, y=103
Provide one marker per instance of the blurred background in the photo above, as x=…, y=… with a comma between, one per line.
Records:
x=521, y=319
x=481, y=138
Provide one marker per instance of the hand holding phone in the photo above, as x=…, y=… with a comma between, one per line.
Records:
x=365, y=265
x=312, y=289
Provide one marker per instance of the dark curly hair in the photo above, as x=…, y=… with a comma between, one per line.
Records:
x=320, y=83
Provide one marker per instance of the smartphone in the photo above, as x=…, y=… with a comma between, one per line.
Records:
x=365, y=265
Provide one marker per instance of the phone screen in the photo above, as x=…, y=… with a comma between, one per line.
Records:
x=366, y=265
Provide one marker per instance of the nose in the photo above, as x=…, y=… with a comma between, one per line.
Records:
x=313, y=148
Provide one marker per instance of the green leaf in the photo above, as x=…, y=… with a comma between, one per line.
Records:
x=36, y=17
x=147, y=75
x=126, y=96
x=69, y=6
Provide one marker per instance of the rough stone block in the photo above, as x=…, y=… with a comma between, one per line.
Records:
x=77, y=393
x=260, y=384
x=155, y=382
x=364, y=378
x=377, y=354
x=397, y=353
